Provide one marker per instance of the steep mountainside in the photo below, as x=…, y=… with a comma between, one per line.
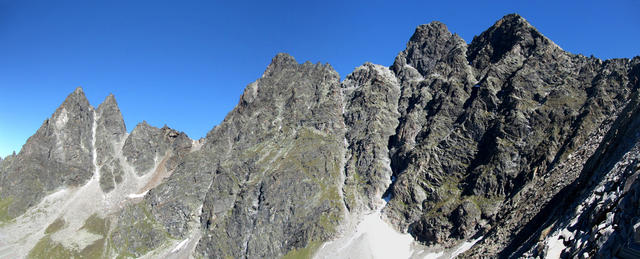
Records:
x=505, y=147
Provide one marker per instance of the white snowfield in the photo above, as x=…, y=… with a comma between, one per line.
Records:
x=374, y=238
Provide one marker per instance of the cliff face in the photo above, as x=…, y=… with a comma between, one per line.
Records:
x=509, y=143
x=495, y=133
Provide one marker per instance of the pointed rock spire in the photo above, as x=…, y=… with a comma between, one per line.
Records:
x=76, y=101
x=429, y=44
x=280, y=62
x=110, y=117
x=77, y=96
x=435, y=31
x=283, y=59
x=507, y=33
x=62, y=148
x=110, y=132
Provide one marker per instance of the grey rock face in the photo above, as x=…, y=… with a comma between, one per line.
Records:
x=147, y=145
x=110, y=133
x=596, y=214
x=59, y=154
x=494, y=126
x=136, y=232
x=159, y=154
x=371, y=95
x=426, y=152
x=277, y=184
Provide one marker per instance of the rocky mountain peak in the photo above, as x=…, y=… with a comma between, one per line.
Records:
x=431, y=43
x=286, y=87
x=141, y=126
x=58, y=154
x=433, y=30
x=512, y=33
x=281, y=61
x=110, y=115
x=110, y=100
x=513, y=18
x=75, y=101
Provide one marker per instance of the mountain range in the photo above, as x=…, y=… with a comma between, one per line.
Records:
x=506, y=147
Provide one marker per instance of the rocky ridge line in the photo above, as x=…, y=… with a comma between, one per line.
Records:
x=477, y=137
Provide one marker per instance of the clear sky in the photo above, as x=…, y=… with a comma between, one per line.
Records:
x=185, y=63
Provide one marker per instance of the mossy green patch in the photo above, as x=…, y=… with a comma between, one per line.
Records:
x=303, y=253
x=96, y=225
x=55, y=226
x=95, y=250
x=47, y=248
x=4, y=208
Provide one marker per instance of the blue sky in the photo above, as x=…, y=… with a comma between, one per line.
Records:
x=185, y=63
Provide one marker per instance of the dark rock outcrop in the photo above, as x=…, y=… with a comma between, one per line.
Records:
x=490, y=124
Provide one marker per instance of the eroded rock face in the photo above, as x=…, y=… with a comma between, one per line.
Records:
x=277, y=182
x=509, y=138
x=58, y=155
x=371, y=96
x=492, y=132
x=595, y=215
x=110, y=133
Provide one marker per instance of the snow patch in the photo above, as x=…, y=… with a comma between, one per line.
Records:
x=433, y=255
x=464, y=247
x=134, y=195
x=180, y=245
x=94, y=150
x=554, y=246
x=371, y=238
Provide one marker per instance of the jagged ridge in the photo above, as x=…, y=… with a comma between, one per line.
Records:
x=481, y=137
